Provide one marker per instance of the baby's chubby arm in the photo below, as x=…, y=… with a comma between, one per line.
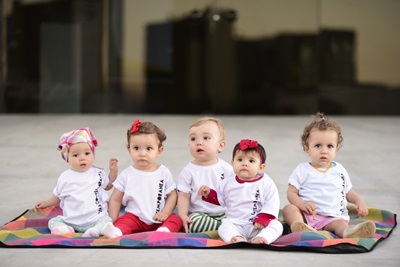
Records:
x=51, y=201
x=113, y=166
x=293, y=197
x=183, y=209
x=170, y=204
x=359, y=203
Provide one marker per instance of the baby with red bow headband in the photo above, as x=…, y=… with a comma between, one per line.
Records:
x=249, y=145
x=146, y=188
x=250, y=196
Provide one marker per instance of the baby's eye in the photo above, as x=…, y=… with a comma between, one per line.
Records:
x=135, y=148
x=252, y=161
x=87, y=153
x=192, y=138
x=317, y=145
x=331, y=146
x=206, y=138
x=149, y=148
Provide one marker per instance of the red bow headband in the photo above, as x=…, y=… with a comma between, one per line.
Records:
x=246, y=143
x=252, y=144
x=135, y=126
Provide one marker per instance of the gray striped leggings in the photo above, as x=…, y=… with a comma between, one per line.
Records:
x=203, y=222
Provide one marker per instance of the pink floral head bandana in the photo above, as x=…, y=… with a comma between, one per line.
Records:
x=82, y=135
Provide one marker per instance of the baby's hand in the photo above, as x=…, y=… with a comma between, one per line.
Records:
x=309, y=208
x=204, y=191
x=40, y=205
x=160, y=216
x=258, y=226
x=113, y=165
x=362, y=209
x=185, y=222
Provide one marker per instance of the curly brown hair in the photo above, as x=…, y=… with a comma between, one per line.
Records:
x=321, y=123
x=147, y=127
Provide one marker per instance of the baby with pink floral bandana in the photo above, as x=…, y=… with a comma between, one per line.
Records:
x=81, y=190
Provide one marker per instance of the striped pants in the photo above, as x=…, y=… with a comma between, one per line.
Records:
x=203, y=222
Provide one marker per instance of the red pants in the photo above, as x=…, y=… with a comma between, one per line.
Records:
x=129, y=224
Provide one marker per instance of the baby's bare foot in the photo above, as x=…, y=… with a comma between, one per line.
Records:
x=237, y=239
x=259, y=240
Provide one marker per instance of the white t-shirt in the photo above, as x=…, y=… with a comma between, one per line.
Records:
x=245, y=200
x=82, y=195
x=193, y=176
x=327, y=190
x=145, y=192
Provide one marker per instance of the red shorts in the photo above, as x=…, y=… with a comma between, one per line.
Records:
x=130, y=223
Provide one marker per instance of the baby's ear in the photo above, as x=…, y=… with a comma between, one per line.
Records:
x=262, y=166
x=160, y=150
x=221, y=147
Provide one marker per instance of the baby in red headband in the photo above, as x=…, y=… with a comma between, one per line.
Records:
x=250, y=196
x=81, y=190
x=146, y=188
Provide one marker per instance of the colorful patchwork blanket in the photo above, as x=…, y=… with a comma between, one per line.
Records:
x=30, y=230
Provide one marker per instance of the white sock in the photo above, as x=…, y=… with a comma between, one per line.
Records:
x=163, y=229
x=110, y=231
x=64, y=229
x=91, y=232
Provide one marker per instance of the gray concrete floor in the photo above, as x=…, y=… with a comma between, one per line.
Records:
x=30, y=165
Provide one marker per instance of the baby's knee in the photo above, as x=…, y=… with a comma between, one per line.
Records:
x=289, y=208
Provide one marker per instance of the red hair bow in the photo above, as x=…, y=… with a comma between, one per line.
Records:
x=246, y=143
x=135, y=126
